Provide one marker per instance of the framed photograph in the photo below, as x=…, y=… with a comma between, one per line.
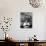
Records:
x=26, y=20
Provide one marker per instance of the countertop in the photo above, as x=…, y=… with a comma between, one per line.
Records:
x=21, y=41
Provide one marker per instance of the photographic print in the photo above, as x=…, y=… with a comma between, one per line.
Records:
x=26, y=20
x=36, y=3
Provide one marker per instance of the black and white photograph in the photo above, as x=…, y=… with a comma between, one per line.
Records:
x=26, y=20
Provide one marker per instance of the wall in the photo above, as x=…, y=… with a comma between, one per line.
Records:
x=12, y=8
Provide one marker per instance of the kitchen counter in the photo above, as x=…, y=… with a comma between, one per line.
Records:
x=38, y=41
